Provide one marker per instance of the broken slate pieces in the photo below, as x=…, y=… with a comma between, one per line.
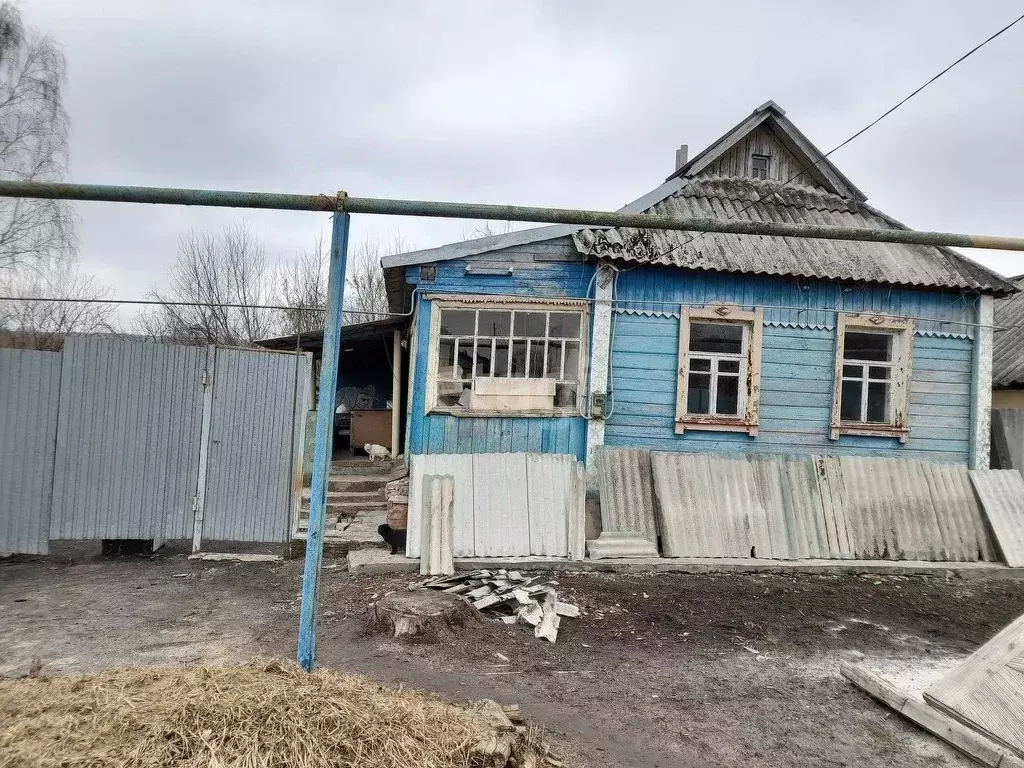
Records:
x=509, y=597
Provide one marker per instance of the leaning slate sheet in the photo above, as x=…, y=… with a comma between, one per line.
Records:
x=627, y=499
x=1001, y=492
x=986, y=692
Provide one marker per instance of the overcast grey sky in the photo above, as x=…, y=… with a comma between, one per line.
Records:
x=561, y=103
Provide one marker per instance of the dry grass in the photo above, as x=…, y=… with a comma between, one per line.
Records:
x=252, y=716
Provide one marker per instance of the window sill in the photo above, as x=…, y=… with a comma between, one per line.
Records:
x=474, y=414
x=869, y=430
x=716, y=425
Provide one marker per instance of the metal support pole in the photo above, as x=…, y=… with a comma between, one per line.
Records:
x=324, y=441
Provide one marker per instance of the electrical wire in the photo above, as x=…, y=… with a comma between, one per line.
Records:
x=858, y=133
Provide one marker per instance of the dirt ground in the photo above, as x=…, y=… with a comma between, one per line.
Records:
x=661, y=670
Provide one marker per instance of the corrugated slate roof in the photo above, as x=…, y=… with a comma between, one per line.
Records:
x=1008, y=344
x=728, y=197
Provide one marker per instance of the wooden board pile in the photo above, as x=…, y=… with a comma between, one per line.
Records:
x=509, y=597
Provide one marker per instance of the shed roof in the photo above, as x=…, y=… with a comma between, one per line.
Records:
x=1008, y=344
x=314, y=340
x=762, y=200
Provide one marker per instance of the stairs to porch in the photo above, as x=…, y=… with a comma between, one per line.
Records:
x=356, y=505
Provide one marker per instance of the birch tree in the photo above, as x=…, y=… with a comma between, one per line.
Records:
x=33, y=143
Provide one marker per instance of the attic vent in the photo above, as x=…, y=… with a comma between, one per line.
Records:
x=759, y=165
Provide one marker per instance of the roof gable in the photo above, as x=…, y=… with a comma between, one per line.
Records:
x=769, y=127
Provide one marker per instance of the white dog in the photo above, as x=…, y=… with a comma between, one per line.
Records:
x=375, y=452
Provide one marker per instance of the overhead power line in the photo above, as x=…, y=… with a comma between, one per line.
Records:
x=860, y=132
x=156, y=302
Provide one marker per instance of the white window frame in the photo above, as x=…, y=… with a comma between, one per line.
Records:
x=900, y=369
x=489, y=303
x=752, y=322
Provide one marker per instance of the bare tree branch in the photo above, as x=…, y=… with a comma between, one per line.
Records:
x=303, y=283
x=229, y=267
x=44, y=324
x=33, y=143
x=365, y=290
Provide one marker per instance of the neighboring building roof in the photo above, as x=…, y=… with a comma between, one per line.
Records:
x=1008, y=344
x=314, y=340
x=729, y=198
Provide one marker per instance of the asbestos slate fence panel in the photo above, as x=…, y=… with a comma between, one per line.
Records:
x=1001, y=492
x=127, y=449
x=627, y=496
x=460, y=467
x=549, y=482
x=501, y=516
x=29, y=396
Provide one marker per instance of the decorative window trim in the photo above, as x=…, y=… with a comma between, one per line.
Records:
x=441, y=302
x=902, y=365
x=721, y=313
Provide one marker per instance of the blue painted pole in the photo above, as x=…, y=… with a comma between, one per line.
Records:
x=325, y=404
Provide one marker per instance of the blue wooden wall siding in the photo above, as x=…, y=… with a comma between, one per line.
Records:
x=796, y=396
x=645, y=289
x=441, y=433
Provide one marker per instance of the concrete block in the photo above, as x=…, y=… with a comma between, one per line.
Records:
x=621, y=544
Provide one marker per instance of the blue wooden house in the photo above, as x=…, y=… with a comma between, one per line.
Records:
x=561, y=339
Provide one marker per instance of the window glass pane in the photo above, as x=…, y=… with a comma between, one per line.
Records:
x=453, y=393
x=494, y=323
x=446, y=353
x=458, y=322
x=464, y=358
x=536, y=360
x=878, y=402
x=500, y=357
x=698, y=393
x=855, y=371
x=483, y=357
x=519, y=358
x=565, y=394
x=849, y=402
x=572, y=360
x=728, y=402
x=867, y=346
x=879, y=372
x=716, y=337
x=530, y=323
x=553, y=368
x=728, y=366
x=564, y=325
x=700, y=364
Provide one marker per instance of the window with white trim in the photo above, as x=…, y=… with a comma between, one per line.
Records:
x=872, y=376
x=507, y=358
x=719, y=369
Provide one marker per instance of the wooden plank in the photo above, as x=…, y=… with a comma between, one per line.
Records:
x=986, y=692
x=964, y=739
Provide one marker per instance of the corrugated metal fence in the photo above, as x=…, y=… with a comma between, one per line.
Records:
x=115, y=428
x=29, y=391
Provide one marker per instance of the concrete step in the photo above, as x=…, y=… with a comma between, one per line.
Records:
x=361, y=467
x=357, y=483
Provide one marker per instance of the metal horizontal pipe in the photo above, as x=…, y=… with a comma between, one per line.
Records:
x=384, y=206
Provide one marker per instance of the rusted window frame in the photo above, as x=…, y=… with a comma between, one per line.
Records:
x=721, y=313
x=902, y=332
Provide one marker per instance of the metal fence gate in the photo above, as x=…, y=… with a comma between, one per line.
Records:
x=117, y=438
x=249, y=485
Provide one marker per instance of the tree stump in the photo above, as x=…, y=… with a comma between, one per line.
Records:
x=423, y=612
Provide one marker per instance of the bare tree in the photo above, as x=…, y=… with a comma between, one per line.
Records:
x=491, y=228
x=35, y=324
x=213, y=271
x=33, y=142
x=366, y=296
x=302, y=285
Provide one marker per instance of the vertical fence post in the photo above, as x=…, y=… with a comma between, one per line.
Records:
x=324, y=441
